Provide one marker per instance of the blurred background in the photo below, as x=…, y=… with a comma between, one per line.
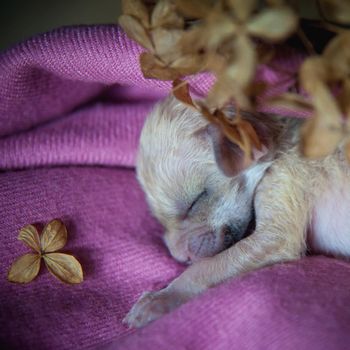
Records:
x=20, y=19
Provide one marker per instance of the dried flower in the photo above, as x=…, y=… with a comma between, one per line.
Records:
x=222, y=42
x=337, y=11
x=326, y=79
x=185, y=37
x=227, y=33
x=159, y=32
x=54, y=237
x=237, y=130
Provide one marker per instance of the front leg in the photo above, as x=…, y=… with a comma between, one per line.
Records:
x=279, y=236
x=152, y=305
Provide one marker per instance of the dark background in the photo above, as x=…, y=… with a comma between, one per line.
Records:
x=20, y=19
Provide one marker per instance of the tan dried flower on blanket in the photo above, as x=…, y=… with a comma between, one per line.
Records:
x=54, y=237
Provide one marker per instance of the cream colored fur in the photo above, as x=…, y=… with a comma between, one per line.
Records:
x=298, y=204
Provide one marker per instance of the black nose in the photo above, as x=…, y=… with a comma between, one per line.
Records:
x=229, y=236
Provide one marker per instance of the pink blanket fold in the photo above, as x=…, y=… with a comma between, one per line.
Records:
x=72, y=104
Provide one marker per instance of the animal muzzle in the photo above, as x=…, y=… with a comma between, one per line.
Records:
x=202, y=245
x=210, y=243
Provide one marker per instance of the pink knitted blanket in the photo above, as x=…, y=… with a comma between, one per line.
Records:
x=72, y=103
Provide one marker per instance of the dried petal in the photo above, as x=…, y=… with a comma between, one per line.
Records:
x=193, y=40
x=216, y=29
x=214, y=62
x=291, y=101
x=194, y=8
x=251, y=134
x=229, y=128
x=54, y=236
x=219, y=118
x=137, y=9
x=224, y=90
x=64, y=266
x=153, y=68
x=335, y=10
x=318, y=138
x=313, y=71
x=313, y=75
x=235, y=79
x=189, y=64
x=24, y=269
x=206, y=112
x=337, y=55
x=273, y=24
x=233, y=134
x=164, y=15
x=242, y=8
x=241, y=133
x=246, y=146
x=221, y=93
x=322, y=133
x=165, y=42
x=135, y=30
x=182, y=93
x=219, y=27
x=242, y=69
x=30, y=236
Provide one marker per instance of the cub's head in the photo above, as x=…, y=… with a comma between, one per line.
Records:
x=195, y=181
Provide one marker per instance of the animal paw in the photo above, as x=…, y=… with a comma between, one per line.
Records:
x=151, y=306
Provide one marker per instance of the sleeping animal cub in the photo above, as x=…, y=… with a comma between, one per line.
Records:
x=196, y=185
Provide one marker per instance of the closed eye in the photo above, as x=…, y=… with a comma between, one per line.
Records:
x=197, y=199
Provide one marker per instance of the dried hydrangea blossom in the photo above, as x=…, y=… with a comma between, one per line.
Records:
x=326, y=80
x=185, y=37
x=54, y=237
x=225, y=38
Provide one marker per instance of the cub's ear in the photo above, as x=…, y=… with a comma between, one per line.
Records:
x=276, y=134
x=229, y=156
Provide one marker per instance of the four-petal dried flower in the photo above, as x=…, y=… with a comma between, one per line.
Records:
x=54, y=237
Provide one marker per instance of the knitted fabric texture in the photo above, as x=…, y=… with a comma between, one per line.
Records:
x=72, y=104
